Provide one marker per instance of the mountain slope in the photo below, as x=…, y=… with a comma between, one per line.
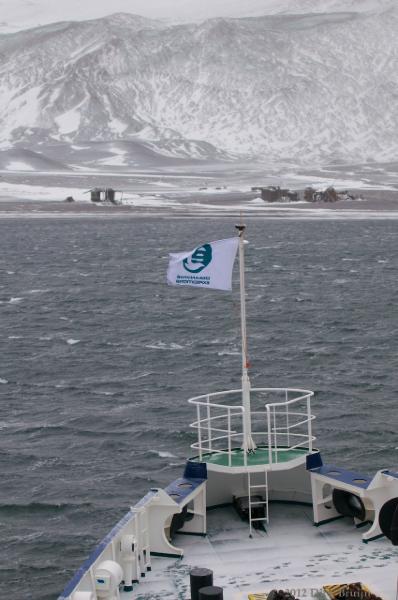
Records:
x=300, y=88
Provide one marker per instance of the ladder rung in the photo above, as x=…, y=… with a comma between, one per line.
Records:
x=262, y=502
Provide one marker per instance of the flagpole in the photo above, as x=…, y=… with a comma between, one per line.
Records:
x=248, y=443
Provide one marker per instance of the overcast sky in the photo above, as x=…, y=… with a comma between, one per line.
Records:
x=17, y=14
x=21, y=12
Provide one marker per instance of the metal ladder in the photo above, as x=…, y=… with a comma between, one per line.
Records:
x=261, y=486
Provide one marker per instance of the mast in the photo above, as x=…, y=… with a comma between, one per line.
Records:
x=248, y=443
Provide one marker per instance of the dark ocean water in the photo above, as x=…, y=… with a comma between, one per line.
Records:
x=98, y=358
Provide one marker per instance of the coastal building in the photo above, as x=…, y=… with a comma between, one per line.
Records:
x=104, y=195
x=276, y=194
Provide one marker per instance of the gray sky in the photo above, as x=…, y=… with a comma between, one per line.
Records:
x=18, y=14
x=32, y=12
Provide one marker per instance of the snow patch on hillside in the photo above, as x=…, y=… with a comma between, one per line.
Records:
x=19, y=166
x=68, y=122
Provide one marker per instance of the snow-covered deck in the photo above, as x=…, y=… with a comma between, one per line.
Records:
x=292, y=555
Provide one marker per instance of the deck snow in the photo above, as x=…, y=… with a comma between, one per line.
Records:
x=293, y=555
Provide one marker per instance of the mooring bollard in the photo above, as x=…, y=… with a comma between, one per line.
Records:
x=200, y=578
x=211, y=592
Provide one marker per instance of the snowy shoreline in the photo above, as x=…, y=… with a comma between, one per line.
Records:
x=380, y=205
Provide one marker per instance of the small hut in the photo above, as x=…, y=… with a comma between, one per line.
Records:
x=99, y=195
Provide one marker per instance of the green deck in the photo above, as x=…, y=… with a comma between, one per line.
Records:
x=259, y=457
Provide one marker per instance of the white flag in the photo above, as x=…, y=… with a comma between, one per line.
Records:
x=208, y=266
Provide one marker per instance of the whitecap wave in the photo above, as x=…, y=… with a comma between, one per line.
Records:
x=164, y=454
x=163, y=346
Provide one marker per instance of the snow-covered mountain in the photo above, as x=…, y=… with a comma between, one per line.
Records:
x=303, y=88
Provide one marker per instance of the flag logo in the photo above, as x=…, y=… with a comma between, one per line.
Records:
x=199, y=259
x=207, y=266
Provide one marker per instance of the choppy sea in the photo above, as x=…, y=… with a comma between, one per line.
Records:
x=99, y=355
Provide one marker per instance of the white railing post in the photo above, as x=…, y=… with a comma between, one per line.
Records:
x=275, y=435
x=269, y=435
x=199, y=431
x=209, y=424
x=229, y=437
x=245, y=441
x=309, y=423
x=287, y=417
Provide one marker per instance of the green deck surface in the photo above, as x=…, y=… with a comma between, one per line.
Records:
x=259, y=457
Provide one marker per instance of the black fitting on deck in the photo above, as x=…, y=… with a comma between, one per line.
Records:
x=211, y=593
x=200, y=578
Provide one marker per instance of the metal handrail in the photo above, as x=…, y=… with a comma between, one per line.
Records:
x=214, y=394
x=204, y=423
x=239, y=391
x=238, y=408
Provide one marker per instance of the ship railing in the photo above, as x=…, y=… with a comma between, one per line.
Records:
x=289, y=425
x=281, y=427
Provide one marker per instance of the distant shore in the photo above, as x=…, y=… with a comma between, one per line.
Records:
x=372, y=203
